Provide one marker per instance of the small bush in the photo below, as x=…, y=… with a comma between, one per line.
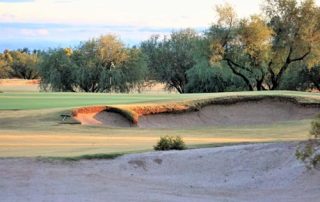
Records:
x=170, y=143
x=309, y=153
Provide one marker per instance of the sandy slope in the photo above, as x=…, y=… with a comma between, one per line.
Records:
x=262, y=172
x=267, y=111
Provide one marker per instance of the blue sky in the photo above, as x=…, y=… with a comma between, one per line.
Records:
x=39, y=24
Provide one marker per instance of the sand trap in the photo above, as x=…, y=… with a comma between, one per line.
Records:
x=265, y=111
x=259, y=173
x=242, y=113
x=110, y=119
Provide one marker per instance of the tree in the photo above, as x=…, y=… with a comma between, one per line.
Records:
x=242, y=45
x=22, y=64
x=297, y=77
x=57, y=71
x=97, y=65
x=204, y=78
x=18, y=64
x=169, y=59
x=260, y=50
x=296, y=38
x=4, y=66
x=314, y=77
x=126, y=75
x=88, y=66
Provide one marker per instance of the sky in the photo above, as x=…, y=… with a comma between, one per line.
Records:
x=39, y=24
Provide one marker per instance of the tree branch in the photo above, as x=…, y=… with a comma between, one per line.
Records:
x=302, y=57
x=237, y=65
x=246, y=80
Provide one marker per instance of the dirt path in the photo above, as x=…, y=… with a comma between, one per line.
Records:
x=262, y=172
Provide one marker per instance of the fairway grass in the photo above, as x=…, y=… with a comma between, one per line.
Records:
x=29, y=125
x=27, y=101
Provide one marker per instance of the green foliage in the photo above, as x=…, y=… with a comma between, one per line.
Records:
x=57, y=71
x=260, y=50
x=4, y=67
x=300, y=77
x=170, y=143
x=204, y=78
x=242, y=45
x=170, y=59
x=296, y=78
x=19, y=64
x=98, y=65
x=309, y=152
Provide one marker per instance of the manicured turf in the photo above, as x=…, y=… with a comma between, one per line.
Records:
x=20, y=101
x=29, y=125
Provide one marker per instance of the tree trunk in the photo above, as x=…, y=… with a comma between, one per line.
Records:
x=244, y=78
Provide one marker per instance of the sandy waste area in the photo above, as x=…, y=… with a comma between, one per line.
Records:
x=260, y=173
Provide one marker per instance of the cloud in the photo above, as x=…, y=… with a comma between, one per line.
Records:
x=63, y=1
x=7, y=17
x=34, y=32
x=45, y=35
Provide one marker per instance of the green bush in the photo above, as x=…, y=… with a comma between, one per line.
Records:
x=170, y=143
x=309, y=153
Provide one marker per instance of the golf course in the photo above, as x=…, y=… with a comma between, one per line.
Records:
x=32, y=126
x=52, y=142
x=159, y=101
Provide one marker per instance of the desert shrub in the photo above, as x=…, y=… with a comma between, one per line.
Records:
x=170, y=143
x=309, y=153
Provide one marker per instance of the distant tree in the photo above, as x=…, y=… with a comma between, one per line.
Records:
x=97, y=65
x=88, y=66
x=57, y=71
x=4, y=66
x=19, y=64
x=170, y=58
x=105, y=65
x=23, y=65
x=126, y=75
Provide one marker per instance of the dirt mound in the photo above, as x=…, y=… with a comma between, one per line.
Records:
x=264, y=111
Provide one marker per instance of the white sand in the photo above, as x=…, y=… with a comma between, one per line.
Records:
x=262, y=172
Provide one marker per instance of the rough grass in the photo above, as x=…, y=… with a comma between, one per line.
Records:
x=28, y=101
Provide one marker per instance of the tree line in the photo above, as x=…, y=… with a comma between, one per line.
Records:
x=278, y=49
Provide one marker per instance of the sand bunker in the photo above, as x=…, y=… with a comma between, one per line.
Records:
x=254, y=173
x=266, y=111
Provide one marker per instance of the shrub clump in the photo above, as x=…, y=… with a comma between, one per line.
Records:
x=170, y=143
x=309, y=153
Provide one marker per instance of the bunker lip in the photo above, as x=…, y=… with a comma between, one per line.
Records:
x=243, y=110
